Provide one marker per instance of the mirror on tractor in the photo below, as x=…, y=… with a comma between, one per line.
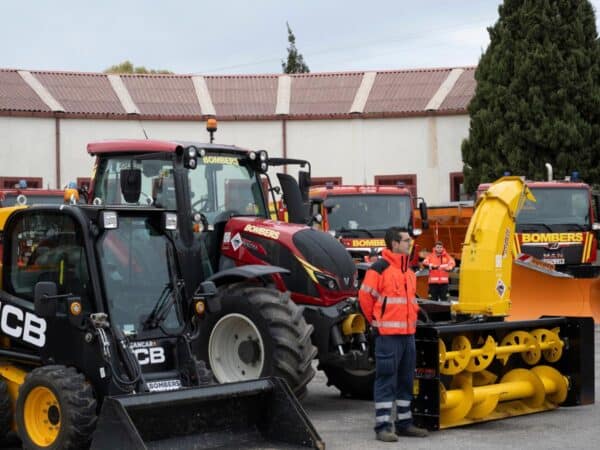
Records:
x=131, y=184
x=423, y=211
x=304, y=183
x=44, y=299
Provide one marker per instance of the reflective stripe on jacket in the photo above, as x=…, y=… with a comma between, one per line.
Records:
x=443, y=263
x=388, y=295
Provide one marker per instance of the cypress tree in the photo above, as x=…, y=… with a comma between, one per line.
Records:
x=538, y=94
x=295, y=61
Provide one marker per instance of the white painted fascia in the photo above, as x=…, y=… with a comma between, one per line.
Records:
x=41, y=91
x=444, y=89
x=204, y=99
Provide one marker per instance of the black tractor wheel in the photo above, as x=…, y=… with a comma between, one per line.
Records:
x=258, y=332
x=351, y=383
x=5, y=410
x=55, y=409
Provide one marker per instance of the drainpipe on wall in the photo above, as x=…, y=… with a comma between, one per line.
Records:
x=57, y=150
x=284, y=139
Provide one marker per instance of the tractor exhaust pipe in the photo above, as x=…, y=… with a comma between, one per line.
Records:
x=549, y=171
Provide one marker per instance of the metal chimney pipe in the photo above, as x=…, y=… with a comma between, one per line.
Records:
x=549, y=171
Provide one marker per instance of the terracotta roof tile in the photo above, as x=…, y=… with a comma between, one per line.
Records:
x=323, y=94
x=404, y=91
x=16, y=95
x=243, y=95
x=462, y=92
x=163, y=95
x=81, y=93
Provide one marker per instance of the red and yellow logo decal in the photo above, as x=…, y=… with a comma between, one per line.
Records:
x=364, y=243
x=535, y=238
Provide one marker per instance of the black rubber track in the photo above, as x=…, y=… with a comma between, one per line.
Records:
x=76, y=401
x=286, y=335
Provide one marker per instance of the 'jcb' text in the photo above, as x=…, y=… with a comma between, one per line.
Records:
x=19, y=324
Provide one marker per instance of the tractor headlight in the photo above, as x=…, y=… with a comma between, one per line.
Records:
x=170, y=221
x=109, y=220
x=189, y=159
x=252, y=156
x=262, y=156
x=202, y=153
x=327, y=281
x=263, y=166
x=192, y=152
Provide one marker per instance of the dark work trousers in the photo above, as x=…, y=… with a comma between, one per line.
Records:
x=395, y=358
x=438, y=292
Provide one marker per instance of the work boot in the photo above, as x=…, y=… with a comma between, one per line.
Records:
x=412, y=431
x=386, y=436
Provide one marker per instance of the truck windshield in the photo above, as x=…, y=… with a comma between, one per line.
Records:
x=555, y=207
x=158, y=188
x=367, y=212
x=223, y=185
x=134, y=264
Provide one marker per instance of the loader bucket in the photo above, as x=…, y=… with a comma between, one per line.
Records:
x=535, y=294
x=253, y=414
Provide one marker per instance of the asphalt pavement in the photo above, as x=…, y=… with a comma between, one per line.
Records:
x=346, y=424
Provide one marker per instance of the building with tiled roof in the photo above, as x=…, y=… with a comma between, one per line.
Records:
x=355, y=127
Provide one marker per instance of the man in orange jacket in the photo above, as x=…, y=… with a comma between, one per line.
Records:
x=439, y=263
x=388, y=301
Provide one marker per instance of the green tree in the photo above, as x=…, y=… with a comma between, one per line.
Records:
x=128, y=67
x=295, y=61
x=538, y=94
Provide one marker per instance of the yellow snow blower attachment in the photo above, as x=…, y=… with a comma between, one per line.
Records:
x=477, y=367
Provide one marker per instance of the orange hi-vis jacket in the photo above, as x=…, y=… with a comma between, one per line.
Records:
x=442, y=264
x=388, y=295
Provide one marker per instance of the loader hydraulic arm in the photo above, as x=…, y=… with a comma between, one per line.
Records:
x=488, y=250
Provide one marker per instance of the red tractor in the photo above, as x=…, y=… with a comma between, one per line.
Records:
x=256, y=329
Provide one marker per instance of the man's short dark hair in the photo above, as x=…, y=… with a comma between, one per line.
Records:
x=393, y=234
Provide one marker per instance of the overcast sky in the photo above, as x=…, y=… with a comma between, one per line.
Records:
x=243, y=36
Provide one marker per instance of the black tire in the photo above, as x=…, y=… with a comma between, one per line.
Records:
x=351, y=383
x=286, y=337
x=75, y=403
x=5, y=410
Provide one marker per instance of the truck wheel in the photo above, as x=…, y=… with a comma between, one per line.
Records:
x=258, y=332
x=55, y=409
x=5, y=410
x=351, y=383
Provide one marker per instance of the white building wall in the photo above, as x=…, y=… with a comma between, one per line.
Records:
x=357, y=150
x=27, y=148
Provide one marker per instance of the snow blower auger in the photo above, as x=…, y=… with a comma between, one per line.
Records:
x=478, y=367
x=95, y=336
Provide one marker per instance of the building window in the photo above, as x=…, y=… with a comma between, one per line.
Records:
x=457, y=188
x=322, y=181
x=409, y=181
x=13, y=182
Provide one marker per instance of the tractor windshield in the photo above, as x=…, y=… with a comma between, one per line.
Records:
x=223, y=185
x=555, y=209
x=157, y=186
x=367, y=212
x=134, y=263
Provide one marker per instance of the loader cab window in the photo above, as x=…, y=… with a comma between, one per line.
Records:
x=135, y=266
x=158, y=187
x=48, y=246
x=555, y=209
x=222, y=186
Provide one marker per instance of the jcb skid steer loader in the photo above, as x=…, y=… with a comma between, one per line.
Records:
x=95, y=332
x=475, y=366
